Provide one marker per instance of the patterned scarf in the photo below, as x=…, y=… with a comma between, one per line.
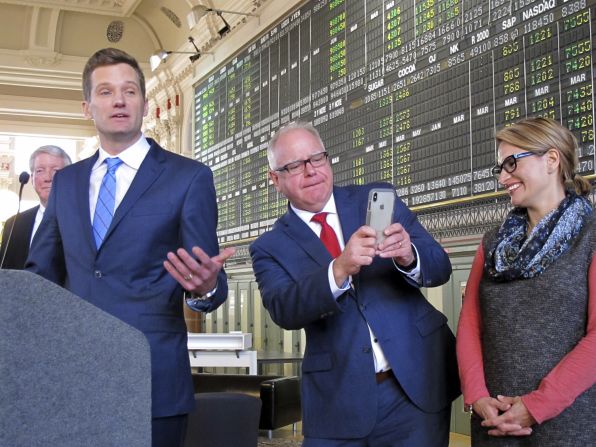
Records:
x=512, y=255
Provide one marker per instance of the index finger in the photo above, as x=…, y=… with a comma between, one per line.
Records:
x=200, y=254
x=366, y=231
x=394, y=228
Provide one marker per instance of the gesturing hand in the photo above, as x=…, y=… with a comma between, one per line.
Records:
x=197, y=275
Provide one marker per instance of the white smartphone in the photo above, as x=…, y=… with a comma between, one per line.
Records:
x=380, y=210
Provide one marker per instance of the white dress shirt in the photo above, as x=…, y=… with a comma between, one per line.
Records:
x=38, y=218
x=131, y=157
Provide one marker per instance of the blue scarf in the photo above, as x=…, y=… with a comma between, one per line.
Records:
x=512, y=255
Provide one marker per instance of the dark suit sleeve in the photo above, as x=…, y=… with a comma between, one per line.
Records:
x=5, y=231
x=198, y=228
x=46, y=256
x=295, y=293
x=435, y=267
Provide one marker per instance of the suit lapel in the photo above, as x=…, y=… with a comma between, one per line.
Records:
x=83, y=177
x=148, y=173
x=27, y=220
x=299, y=231
x=351, y=217
x=349, y=212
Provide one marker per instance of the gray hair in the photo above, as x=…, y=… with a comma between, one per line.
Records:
x=50, y=150
x=292, y=125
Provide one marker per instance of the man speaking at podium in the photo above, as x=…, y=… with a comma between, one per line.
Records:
x=119, y=230
x=379, y=365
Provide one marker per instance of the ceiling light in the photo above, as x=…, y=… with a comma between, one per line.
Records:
x=199, y=11
x=159, y=56
x=226, y=28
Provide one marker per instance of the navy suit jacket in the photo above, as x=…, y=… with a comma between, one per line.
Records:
x=338, y=380
x=170, y=204
x=17, y=249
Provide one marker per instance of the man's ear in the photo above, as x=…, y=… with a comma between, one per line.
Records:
x=274, y=176
x=86, y=110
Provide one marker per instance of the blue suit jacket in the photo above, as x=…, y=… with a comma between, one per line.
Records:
x=170, y=204
x=338, y=381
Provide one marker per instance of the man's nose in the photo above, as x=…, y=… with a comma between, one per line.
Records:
x=118, y=98
x=309, y=169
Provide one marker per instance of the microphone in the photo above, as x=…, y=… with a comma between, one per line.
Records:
x=23, y=180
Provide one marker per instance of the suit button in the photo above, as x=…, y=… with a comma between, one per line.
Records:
x=98, y=273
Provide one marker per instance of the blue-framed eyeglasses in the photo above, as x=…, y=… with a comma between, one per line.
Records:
x=297, y=167
x=509, y=164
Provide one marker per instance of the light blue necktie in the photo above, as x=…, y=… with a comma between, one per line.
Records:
x=106, y=200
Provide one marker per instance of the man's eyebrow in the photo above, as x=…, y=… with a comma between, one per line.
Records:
x=109, y=84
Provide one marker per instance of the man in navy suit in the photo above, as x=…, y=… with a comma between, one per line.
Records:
x=379, y=366
x=19, y=229
x=160, y=241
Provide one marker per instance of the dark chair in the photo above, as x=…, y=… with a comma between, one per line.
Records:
x=280, y=396
x=224, y=420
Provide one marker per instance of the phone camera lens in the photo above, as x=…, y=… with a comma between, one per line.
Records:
x=375, y=196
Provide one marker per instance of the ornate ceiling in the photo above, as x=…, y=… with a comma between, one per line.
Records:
x=44, y=45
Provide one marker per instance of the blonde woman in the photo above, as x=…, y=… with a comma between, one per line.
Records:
x=526, y=340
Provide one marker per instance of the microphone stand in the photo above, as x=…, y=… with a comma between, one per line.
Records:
x=23, y=179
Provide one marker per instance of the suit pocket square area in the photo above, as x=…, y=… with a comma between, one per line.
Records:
x=151, y=209
x=430, y=322
x=317, y=362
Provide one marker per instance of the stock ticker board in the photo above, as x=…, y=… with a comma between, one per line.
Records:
x=407, y=92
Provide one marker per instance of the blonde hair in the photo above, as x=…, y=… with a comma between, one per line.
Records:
x=539, y=135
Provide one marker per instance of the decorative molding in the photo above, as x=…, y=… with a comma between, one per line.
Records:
x=115, y=31
x=118, y=8
x=43, y=59
x=172, y=16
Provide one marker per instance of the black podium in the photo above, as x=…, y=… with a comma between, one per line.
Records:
x=70, y=374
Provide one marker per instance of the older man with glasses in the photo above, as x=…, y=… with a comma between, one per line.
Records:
x=379, y=366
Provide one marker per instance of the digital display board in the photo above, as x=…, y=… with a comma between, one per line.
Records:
x=408, y=92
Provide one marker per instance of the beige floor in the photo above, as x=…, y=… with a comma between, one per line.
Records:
x=455, y=439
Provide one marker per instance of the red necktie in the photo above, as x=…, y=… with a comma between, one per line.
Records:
x=328, y=236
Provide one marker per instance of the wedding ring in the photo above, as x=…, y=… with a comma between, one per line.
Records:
x=399, y=244
x=189, y=277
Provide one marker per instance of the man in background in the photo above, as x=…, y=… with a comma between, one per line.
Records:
x=132, y=227
x=379, y=366
x=19, y=229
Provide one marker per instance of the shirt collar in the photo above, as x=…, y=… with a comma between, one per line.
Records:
x=132, y=156
x=306, y=216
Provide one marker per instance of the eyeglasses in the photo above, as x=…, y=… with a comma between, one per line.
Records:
x=297, y=167
x=509, y=164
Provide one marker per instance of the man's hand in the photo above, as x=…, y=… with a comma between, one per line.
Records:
x=515, y=421
x=397, y=245
x=197, y=275
x=359, y=251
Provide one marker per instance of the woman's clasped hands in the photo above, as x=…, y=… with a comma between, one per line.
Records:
x=504, y=416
